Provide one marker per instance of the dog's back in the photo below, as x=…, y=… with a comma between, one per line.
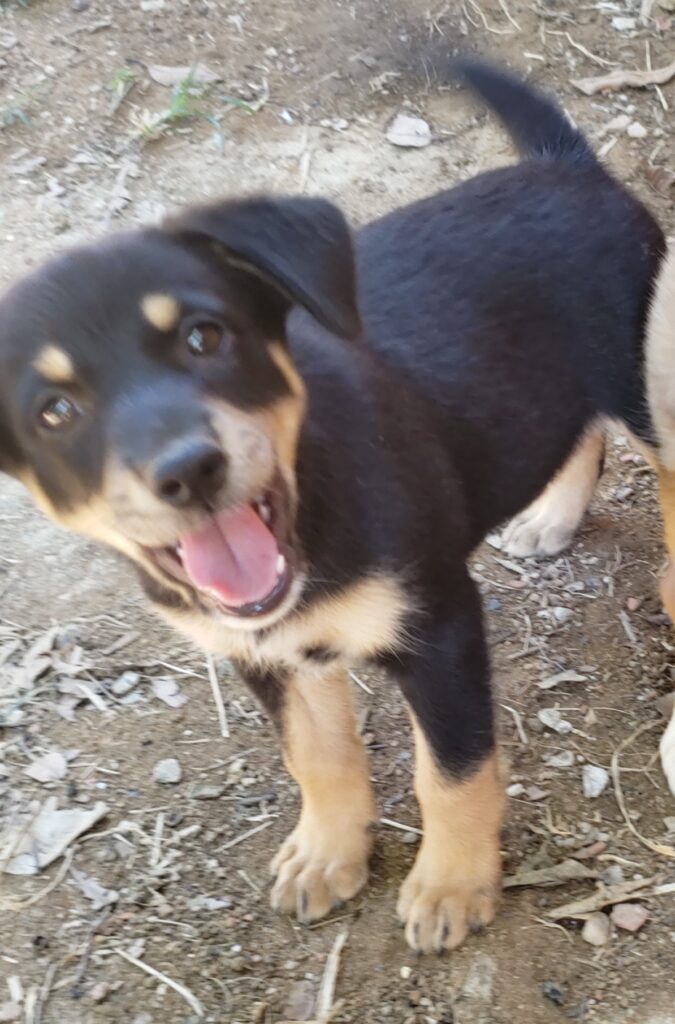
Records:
x=522, y=290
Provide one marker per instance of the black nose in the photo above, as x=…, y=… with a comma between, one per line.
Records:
x=190, y=473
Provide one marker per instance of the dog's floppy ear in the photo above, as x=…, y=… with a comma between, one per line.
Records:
x=303, y=246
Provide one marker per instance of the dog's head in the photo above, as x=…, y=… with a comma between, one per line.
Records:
x=148, y=399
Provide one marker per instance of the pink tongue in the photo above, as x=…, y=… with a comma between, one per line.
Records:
x=235, y=556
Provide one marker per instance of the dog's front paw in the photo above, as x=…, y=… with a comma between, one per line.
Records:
x=317, y=869
x=440, y=911
x=667, y=751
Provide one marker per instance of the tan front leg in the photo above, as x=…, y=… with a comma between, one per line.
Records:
x=667, y=501
x=325, y=859
x=455, y=881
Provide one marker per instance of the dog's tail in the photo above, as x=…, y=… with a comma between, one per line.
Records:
x=536, y=124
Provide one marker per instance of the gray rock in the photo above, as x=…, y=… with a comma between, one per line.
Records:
x=125, y=683
x=597, y=929
x=594, y=780
x=168, y=772
x=206, y=791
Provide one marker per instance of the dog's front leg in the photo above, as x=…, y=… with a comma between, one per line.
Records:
x=454, y=884
x=325, y=859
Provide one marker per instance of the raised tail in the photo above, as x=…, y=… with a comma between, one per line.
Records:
x=536, y=124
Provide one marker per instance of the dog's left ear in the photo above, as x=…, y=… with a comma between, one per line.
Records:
x=302, y=246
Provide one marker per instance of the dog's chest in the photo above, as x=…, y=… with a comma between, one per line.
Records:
x=362, y=621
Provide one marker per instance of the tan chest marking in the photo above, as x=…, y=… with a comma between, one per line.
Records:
x=365, y=619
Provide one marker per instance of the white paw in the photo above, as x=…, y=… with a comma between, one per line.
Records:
x=539, y=531
x=667, y=750
x=316, y=870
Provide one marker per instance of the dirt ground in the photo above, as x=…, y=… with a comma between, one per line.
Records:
x=305, y=93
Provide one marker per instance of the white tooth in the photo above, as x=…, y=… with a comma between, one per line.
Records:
x=281, y=564
x=265, y=512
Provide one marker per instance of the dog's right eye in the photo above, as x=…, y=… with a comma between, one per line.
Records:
x=59, y=412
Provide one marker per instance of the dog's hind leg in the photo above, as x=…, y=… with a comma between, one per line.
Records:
x=325, y=859
x=548, y=525
x=454, y=884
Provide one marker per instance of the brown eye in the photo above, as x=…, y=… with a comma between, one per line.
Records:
x=205, y=338
x=58, y=412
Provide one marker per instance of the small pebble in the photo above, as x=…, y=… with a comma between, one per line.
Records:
x=405, y=972
x=79, y=5
x=206, y=791
x=555, y=992
x=630, y=916
x=100, y=992
x=613, y=875
x=168, y=772
x=597, y=929
x=636, y=130
x=594, y=780
x=125, y=683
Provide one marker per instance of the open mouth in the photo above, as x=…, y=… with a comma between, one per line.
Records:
x=238, y=560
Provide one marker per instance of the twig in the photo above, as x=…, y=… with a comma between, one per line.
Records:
x=326, y=995
x=657, y=88
x=519, y=724
x=587, y=53
x=245, y=835
x=189, y=998
x=84, y=959
x=646, y=10
x=43, y=994
x=628, y=629
x=663, y=890
x=156, y=852
x=554, y=924
x=249, y=881
x=486, y=24
x=56, y=880
x=217, y=697
x=661, y=848
x=502, y=4
x=399, y=825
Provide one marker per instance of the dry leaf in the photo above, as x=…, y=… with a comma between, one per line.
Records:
x=604, y=897
x=558, y=874
x=569, y=676
x=408, y=131
x=169, y=76
x=621, y=78
x=168, y=691
x=50, y=767
x=47, y=836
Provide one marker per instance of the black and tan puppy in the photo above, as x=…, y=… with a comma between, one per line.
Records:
x=299, y=440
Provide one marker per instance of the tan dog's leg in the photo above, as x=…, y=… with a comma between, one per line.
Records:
x=667, y=588
x=325, y=859
x=454, y=884
x=667, y=501
x=548, y=525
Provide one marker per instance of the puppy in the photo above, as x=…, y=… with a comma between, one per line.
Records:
x=299, y=437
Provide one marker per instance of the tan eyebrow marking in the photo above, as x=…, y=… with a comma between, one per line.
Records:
x=54, y=365
x=162, y=311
